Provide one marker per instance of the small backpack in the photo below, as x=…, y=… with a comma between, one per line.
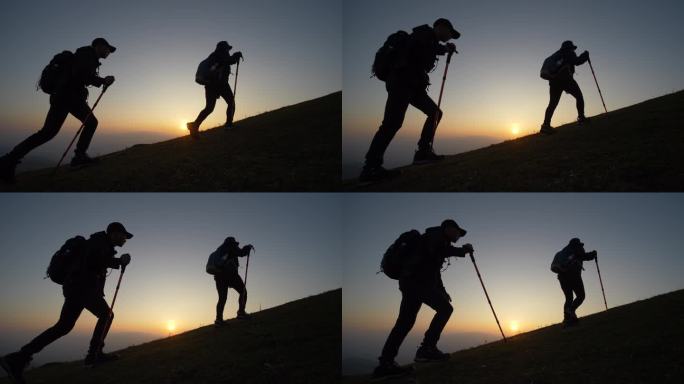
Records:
x=551, y=66
x=57, y=73
x=217, y=261
x=402, y=254
x=205, y=71
x=563, y=260
x=66, y=260
x=387, y=56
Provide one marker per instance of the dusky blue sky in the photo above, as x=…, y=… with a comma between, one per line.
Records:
x=493, y=84
x=297, y=255
x=292, y=53
x=515, y=236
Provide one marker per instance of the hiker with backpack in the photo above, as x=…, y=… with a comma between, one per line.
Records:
x=416, y=261
x=213, y=73
x=223, y=264
x=80, y=266
x=403, y=63
x=567, y=263
x=558, y=69
x=65, y=79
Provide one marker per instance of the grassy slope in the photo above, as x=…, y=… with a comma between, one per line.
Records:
x=638, y=148
x=298, y=342
x=295, y=148
x=641, y=342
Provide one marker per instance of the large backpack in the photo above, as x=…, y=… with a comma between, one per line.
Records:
x=387, y=56
x=552, y=66
x=57, y=73
x=205, y=71
x=217, y=262
x=563, y=260
x=401, y=255
x=66, y=260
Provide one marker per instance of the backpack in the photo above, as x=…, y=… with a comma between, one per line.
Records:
x=401, y=254
x=217, y=261
x=551, y=66
x=205, y=71
x=563, y=260
x=66, y=260
x=387, y=56
x=57, y=73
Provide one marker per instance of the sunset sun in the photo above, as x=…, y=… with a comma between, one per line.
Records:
x=515, y=129
x=170, y=325
x=515, y=327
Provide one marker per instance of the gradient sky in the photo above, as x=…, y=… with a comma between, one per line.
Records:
x=297, y=255
x=515, y=236
x=494, y=82
x=292, y=53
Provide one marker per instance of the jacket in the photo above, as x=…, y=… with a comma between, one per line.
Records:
x=570, y=61
x=97, y=256
x=220, y=67
x=84, y=73
x=435, y=249
x=231, y=252
x=420, y=56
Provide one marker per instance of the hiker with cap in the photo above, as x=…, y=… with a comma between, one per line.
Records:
x=421, y=283
x=406, y=83
x=68, y=95
x=560, y=78
x=568, y=265
x=213, y=73
x=225, y=260
x=83, y=288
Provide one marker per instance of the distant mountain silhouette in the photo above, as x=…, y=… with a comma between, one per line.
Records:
x=298, y=342
x=641, y=342
x=637, y=148
x=294, y=148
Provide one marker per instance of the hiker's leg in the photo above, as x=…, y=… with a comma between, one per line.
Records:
x=578, y=288
x=408, y=310
x=555, y=93
x=567, y=287
x=237, y=284
x=210, y=96
x=395, y=110
x=71, y=310
x=99, y=307
x=227, y=95
x=58, y=112
x=574, y=90
x=425, y=104
x=222, y=290
x=438, y=301
x=81, y=111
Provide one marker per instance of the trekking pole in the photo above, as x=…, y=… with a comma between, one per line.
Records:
x=247, y=266
x=487, y=295
x=441, y=89
x=601, y=281
x=111, y=308
x=104, y=89
x=237, y=71
x=597, y=86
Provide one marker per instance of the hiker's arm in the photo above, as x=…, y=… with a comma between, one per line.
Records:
x=582, y=58
x=245, y=250
x=84, y=72
x=588, y=256
x=456, y=251
x=235, y=58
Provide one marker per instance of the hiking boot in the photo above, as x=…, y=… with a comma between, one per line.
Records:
x=7, y=169
x=426, y=156
x=219, y=323
x=547, y=129
x=390, y=369
x=194, y=130
x=14, y=364
x=425, y=354
x=97, y=358
x=243, y=316
x=583, y=120
x=82, y=160
x=228, y=127
x=377, y=173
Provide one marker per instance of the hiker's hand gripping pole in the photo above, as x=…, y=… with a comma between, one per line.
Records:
x=487, y=295
x=78, y=133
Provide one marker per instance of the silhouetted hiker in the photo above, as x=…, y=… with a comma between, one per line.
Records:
x=213, y=73
x=84, y=268
x=69, y=75
x=558, y=69
x=568, y=265
x=409, y=60
x=223, y=264
x=420, y=282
